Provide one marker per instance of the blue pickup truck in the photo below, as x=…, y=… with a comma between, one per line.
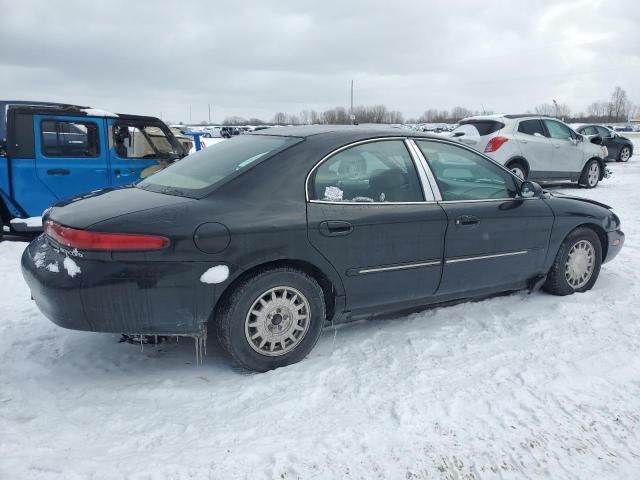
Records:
x=52, y=151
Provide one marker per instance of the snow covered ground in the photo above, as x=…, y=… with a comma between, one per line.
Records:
x=519, y=386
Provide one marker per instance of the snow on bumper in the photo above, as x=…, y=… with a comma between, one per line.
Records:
x=102, y=295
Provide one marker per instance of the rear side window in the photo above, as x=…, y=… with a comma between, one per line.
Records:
x=196, y=174
x=485, y=127
x=558, y=130
x=69, y=139
x=381, y=171
x=531, y=127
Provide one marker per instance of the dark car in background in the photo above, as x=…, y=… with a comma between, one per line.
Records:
x=620, y=148
x=266, y=237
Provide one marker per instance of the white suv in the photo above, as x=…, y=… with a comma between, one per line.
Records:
x=536, y=147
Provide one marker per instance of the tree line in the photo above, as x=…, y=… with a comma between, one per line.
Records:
x=618, y=108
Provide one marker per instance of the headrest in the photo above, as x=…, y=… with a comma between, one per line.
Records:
x=387, y=180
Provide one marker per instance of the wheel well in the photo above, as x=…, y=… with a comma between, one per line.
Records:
x=521, y=161
x=325, y=283
x=602, y=235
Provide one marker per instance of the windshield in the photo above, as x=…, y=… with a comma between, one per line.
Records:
x=198, y=173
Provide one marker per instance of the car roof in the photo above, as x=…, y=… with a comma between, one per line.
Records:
x=356, y=131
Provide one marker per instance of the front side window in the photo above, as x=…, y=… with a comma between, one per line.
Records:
x=380, y=171
x=139, y=141
x=463, y=175
x=589, y=131
x=531, y=127
x=558, y=130
x=603, y=132
x=62, y=138
x=198, y=173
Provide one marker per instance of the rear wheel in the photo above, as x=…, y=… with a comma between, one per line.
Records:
x=591, y=174
x=272, y=319
x=577, y=264
x=625, y=154
x=518, y=169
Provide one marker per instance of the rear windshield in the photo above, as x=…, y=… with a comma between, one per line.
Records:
x=484, y=127
x=197, y=174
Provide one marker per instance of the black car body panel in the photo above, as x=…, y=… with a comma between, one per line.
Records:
x=393, y=256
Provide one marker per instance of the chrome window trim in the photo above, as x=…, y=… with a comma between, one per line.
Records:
x=483, y=257
x=427, y=169
x=399, y=267
x=424, y=172
x=354, y=144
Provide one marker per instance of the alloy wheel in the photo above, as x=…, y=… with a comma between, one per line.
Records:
x=593, y=175
x=518, y=172
x=277, y=321
x=580, y=264
x=625, y=153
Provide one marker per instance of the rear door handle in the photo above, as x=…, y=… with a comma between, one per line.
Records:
x=467, y=221
x=58, y=171
x=335, y=228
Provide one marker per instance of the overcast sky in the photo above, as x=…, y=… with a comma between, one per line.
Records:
x=254, y=58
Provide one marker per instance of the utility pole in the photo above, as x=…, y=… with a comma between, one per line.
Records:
x=556, y=105
x=351, y=115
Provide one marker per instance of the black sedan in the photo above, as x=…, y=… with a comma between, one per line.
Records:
x=268, y=236
x=620, y=148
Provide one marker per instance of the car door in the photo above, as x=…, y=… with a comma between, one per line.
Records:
x=133, y=155
x=495, y=239
x=535, y=147
x=71, y=156
x=568, y=157
x=369, y=215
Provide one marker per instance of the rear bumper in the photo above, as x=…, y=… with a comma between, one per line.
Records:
x=154, y=298
x=615, y=241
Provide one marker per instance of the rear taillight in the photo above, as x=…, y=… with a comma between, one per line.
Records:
x=495, y=143
x=85, y=240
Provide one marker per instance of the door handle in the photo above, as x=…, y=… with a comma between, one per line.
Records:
x=335, y=228
x=467, y=221
x=58, y=171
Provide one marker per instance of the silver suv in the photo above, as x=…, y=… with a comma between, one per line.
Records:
x=537, y=148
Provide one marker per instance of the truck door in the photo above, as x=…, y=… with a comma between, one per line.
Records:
x=136, y=150
x=70, y=153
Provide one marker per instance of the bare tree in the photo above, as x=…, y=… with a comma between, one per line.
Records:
x=619, y=105
x=458, y=113
x=280, y=118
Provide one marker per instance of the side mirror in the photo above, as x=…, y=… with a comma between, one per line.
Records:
x=530, y=189
x=597, y=140
x=575, y=140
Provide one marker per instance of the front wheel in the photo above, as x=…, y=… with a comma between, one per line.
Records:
x=272, y=319
x=577, y=264
x=591, y=174
x=624, y=155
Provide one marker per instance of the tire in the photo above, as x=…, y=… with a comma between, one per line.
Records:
x=624, y=155
x=561, y=279
x=591, y=174
x=246, y=336
x=519, y=169
x=1, y=228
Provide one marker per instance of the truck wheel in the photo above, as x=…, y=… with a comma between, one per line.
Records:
x=591, y=174
x=577, y=263
x=272, y=319
x=624, y=155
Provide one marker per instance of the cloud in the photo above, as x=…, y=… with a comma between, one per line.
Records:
x=255, y=58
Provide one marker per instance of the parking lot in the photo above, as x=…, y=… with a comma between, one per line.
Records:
x=519, y=386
